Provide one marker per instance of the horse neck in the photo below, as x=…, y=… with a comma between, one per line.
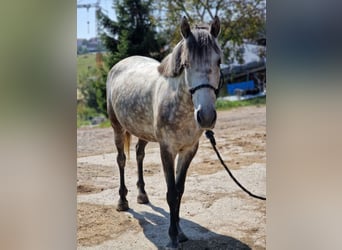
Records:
x=183, y=95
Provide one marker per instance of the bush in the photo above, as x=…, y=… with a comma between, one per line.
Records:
x=92, y=85
x=224, y=105
x=85, y=114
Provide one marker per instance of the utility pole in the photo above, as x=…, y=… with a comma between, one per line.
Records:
x=97, y=8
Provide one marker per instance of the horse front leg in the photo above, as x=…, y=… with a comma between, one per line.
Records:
x=184, y=160
x=168, y=158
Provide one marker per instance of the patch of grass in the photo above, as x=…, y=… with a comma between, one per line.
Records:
x=105, y=124
x=81, y=123
x=84, y=115
x=226, y=105
x=84, y=62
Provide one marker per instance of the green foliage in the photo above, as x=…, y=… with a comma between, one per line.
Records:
x=134, y=32
x=92, y=86
x=91, y=83
x=105, y=124
x=240, y=20
x=84, y=63
x=100, y=87
x=225, y=105
x=84, y=114
x=123, y=47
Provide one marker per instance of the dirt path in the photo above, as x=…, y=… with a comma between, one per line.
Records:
x=215, y=213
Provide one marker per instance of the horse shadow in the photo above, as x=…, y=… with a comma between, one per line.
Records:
x=155, y=228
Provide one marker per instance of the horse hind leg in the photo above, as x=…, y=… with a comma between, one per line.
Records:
x=121, y=160
x=140, y=154
x=119, y=141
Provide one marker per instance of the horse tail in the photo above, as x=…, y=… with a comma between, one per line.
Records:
x=127, y=143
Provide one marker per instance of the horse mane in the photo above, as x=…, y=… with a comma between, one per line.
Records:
x=196, y=48
x=172, y=65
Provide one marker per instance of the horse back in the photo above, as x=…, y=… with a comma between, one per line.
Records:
x=131, y=87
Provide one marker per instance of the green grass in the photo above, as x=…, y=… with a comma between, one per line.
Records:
x=81, y=123
x=226, y=105
x=84, y=62
x=105, y=124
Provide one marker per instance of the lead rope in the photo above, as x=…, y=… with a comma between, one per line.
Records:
x=210, y=135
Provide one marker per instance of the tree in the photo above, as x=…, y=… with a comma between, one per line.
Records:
x=241, y=20
x=134, y=32
x=92, y=86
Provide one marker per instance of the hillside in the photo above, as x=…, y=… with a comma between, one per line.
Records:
x=84, y=62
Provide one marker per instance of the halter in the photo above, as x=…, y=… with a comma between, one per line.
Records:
x=193, y=90
x=216, y=90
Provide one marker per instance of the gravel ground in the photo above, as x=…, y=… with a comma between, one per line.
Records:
x=215, y=213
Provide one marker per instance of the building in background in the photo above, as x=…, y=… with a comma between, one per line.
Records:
x=89, y=46
x=248, y=76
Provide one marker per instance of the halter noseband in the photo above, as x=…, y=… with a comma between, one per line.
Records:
x=216, y=90
x=193, y=90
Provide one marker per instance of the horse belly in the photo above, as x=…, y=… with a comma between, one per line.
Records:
x=135, y=114
x=140, y=128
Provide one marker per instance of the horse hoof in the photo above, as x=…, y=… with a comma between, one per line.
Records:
x=142, y=199
x=122, y=206
x=182, y=237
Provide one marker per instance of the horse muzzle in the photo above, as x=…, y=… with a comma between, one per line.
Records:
x=206, y=120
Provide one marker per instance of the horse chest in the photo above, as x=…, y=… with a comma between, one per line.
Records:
x=176, y=125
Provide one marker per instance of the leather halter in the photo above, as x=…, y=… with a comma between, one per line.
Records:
x=193, y=90
x=216, y=90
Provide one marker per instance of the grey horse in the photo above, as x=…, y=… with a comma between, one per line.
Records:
x=172, y=103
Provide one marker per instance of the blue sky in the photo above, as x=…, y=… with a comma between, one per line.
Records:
x=83, y=16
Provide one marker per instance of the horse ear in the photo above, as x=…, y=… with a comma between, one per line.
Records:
x=185, y=27
x=215, y=26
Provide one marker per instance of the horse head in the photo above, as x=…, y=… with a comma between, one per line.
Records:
x=201, y=61
x=198, y=56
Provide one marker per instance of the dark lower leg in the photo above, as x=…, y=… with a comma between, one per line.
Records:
x=171, y=196
x=140, y=150
x=119, y=140
x=122, y=203
x=180, y=190
x=184, y=160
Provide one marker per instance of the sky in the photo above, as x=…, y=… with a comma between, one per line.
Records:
x=83, y=16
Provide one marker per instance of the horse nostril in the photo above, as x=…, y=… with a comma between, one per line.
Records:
x=215, y=117
x=199, y=120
